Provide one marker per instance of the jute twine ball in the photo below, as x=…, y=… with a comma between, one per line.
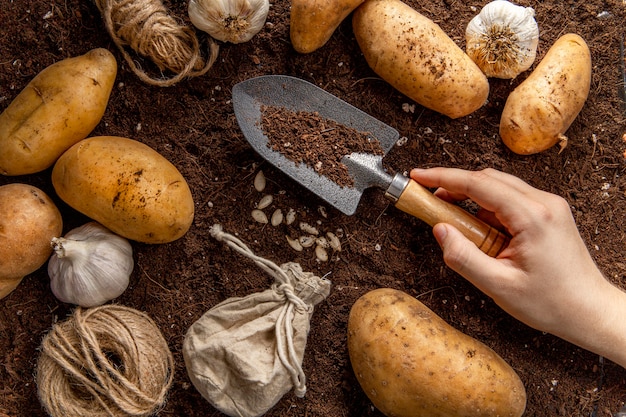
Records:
x=148, y=28
x=109, y=361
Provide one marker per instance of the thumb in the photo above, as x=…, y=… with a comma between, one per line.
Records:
x=464, y=257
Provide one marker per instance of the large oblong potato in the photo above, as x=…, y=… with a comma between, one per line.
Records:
x=539, y=111
x=127, y=187
x=415, y=56
x=411, y=363
x=60, y=106
x=29, y=220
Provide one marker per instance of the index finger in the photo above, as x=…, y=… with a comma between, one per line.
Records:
x=493, y=190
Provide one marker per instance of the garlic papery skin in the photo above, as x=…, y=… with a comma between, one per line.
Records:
x=502, y=39
x=234, y=21
x=90, y=265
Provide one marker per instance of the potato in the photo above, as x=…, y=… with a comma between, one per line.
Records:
x=539, y=111
x=313, y=22
x=417, y=58
x=29, y=221
x=127, y=187
x=411, y=363
x=59, y=107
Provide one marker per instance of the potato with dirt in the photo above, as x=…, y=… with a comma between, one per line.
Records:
x=313, y=22
x=539, y=111
x=58, y=107
x=411, y=363
x=415, y=56
x=126, y=186
x=29, y=221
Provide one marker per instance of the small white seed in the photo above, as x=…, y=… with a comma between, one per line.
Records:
x=321, y=241
x=291, y=216
x=277, y=217
x=333, y=241
x=322, y=211
x=306, y=241
x=305, y=227
x=294, y=243
x=259, y=216
x=259, y=181
x=265, y=201
x=321, y=254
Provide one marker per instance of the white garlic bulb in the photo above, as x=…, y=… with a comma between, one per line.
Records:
x=234, y=21
x=90, y=265
x=502, y=39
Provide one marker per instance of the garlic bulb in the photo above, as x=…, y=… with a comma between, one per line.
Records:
x=234, y=21
x=90, y=265
x=502, y=39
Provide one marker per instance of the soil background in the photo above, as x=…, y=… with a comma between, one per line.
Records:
x=192, y=124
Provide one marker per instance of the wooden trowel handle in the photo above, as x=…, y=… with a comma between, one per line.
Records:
x=421, y=203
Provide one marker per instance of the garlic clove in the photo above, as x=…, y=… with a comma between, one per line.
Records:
x=234, y=21
x=502, y=39
x=90, y=265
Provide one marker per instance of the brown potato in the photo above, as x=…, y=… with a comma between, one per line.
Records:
x=313, y=22
x=539, y=111
x=411, y=363
x=59, y=107
x=416, y=57
x=127, y=187
x=29, y=221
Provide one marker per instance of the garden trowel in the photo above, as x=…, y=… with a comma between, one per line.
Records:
x=297, y=95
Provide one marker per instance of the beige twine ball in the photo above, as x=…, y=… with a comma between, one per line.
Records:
x=148, y=29
x=109, y=361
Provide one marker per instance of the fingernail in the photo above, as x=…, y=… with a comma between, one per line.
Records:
x=441, y=232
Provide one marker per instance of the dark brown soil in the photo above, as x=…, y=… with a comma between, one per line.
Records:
x=309, y=139
x=192, y=124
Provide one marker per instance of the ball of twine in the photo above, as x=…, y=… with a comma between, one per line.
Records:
x=109, y=361
x=148, y=29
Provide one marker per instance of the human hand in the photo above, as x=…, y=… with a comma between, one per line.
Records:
x=545, y=277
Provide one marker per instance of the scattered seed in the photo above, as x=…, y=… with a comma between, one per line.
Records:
x=259, y=216
x=306, y=241
x=277, y=217
x=321, y=241
x=265, y=201
x=321, y=254
x=305, y=227
x=294, y=243
x=291, y=216
x=322, y=211
x=333, y=241
x=259, y=181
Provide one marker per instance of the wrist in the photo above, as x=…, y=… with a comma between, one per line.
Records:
x=600, y=326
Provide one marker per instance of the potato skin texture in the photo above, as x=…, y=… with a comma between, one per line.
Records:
x=539, y=111
x=313, y=22
x=418, y=58
x=60, y=106
x=411, y=363
x=29, y=221
x=127, y=187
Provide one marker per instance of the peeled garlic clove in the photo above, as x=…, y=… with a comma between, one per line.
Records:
x=502, y=39
x=90, y=265
x=233, y=21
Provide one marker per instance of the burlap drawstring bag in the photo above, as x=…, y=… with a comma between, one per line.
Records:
x=245, y=353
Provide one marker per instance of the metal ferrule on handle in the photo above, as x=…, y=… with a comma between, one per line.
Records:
x=396, y=188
